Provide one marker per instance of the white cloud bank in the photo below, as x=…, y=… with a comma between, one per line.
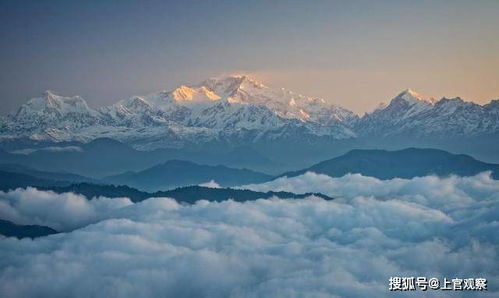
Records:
x=62, y=212
x=210, y=184
x=266, y=248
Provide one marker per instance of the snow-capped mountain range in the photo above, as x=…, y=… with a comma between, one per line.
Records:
x=410, y=114
x=237, y=107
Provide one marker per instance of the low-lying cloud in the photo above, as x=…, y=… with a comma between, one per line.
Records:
x=49, y=149
x=447, y=194
x=349, y=247
x=62, y=212
x=210, y=184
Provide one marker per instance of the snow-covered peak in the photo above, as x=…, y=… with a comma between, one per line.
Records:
x=188, y=94
x=240, y=107
x=167, y=100
x=412, y=97
x=226, y=85
x=411, y=93
x=381, y=106
x=135, y=103
x=51, y=116
x=405, y=105
x=243, y=89
x=49, y=102
x=48, y=94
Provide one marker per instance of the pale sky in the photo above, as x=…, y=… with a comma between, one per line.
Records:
x=354, y=53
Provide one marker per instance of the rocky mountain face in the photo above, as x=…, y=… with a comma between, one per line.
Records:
x=239, y=109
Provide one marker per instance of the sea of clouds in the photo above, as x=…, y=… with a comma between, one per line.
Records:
x=348, y=247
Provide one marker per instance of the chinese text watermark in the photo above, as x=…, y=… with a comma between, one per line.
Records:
x=396, y=283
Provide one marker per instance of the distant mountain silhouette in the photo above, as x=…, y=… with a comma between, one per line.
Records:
x=10, y=229
x=177, y=173
x=191, y=194
x=104, y=157
x=97, y=158
x=95, y=190
x=188, y=194
x=62, y=176
x=407, y=163
x=11, y=181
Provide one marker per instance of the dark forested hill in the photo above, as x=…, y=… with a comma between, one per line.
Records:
x=188, y=194
x=177, y=173
x=10, y=229
x=407, y=163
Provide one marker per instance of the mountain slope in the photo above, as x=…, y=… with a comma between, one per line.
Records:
x=11, y=181
x=407, y=163
x=68, y=177
x=177, y=173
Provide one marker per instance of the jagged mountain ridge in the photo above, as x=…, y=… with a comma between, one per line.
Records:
x=239, y=109
x=220, y=108
x=410, y=114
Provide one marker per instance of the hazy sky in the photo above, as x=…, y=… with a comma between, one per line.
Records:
x=355, y=53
